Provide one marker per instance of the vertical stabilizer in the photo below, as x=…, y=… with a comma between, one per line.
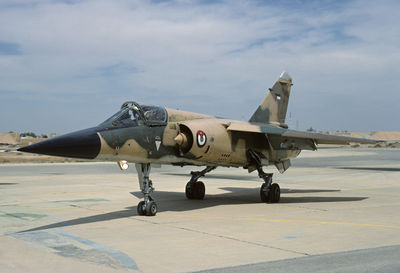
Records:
x=274, y=107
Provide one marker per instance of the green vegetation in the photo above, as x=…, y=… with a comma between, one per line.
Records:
x=30, y=134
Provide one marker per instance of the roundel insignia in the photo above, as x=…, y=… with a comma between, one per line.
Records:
x=201, y=138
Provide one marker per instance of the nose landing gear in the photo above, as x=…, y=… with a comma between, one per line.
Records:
x=194, y=189
x=148, y=206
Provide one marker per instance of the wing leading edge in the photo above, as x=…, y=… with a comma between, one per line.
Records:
x=328, y=139
x=317, y=138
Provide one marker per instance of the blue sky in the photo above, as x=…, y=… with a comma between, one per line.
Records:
x=67, y=65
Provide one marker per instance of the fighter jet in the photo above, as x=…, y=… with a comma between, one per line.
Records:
x=146, y=135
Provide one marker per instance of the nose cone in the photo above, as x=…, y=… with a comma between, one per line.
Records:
x=81, y=144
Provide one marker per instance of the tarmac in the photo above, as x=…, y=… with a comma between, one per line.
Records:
x=339, y=212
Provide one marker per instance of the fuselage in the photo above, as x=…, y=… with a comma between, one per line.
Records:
x=148, y=135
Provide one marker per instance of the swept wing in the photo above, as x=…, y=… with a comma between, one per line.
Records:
x=287, y=134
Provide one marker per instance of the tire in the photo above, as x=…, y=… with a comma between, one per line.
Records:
x=189, y=191
x=151, y=208
x=275, y=193
x=263, y=193
x=141, y=208
x=199, y=190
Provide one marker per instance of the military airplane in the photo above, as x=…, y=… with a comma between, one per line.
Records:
x=147, y=135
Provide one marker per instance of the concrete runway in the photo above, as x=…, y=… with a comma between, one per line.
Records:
x=82, y=217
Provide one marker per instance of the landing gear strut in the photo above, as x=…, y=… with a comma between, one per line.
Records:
x=148, y=206
x=269, y=192
x=195, y=189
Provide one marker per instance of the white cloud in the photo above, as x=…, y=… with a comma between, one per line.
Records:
x=216, y=58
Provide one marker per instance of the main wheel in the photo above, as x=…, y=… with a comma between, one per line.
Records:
x=189, y=190
x=274, y=193
x=151, y=208
x=199, y=190
x=264, y=193
x=141, y=208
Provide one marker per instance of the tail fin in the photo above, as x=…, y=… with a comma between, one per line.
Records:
x=274, y=107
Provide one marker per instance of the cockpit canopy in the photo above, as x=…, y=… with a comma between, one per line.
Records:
x=133, y=114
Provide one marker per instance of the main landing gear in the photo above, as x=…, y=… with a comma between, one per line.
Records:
x=148, y=206
x=195, y=189
x=269, y=192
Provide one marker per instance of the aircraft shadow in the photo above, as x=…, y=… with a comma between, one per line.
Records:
x=176, y=201
x=375, y=169
x=128, y=212
x=218, y=176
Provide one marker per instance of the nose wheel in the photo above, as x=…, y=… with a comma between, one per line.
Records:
x=148, y=206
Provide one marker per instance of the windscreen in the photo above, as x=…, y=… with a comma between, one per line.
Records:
x=127, y=117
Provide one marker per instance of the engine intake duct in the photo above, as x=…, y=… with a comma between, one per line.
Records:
x=184, y=139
